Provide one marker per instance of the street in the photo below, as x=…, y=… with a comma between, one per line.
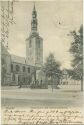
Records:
x=66, y=96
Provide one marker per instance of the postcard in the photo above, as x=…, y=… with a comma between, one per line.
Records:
x=42, y=62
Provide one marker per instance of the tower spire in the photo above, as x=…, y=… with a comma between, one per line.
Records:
x=34, y=9
x=34, y=20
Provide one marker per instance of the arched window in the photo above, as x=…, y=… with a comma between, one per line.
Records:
x=28, y=69
x=38, y=43
x=18, y=78
x=17, y=68
x=13, y=77
x=23, y=68
x=11, y=67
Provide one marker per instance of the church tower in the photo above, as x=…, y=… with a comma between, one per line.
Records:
x=34, y=43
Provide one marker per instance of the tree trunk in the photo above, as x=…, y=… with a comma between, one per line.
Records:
x=81, y=84
x=52, y=83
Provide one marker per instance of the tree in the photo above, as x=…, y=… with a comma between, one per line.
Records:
x=3, y=70
x=52, y=68
x=76, y=50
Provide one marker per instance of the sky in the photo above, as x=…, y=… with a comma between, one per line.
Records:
x=55, y=20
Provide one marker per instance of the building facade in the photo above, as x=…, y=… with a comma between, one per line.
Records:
x=18, y=70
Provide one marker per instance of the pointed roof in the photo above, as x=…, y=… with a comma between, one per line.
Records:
x=34, y=9
x=17, y=59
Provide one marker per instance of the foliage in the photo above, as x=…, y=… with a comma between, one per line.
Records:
x=3, y=70
x=77, y=51
x=52, y=67
x=73, y=74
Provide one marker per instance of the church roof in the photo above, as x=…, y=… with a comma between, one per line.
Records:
x=4, y=50
x=17, y=59
x=34, y=9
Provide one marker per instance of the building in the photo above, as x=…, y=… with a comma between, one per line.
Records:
x=34, y=44
x=16, y=70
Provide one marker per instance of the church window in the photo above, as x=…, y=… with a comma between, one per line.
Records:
x=28, y=69
x=18, y=78
x=38, y=43
x=23, y=68
x=17, y=68
x=11, y=67
x=13, y=77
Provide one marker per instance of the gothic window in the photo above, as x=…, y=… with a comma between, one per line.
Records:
x=13, y=77
x=18, y=78
x=38, y=43
x=11, y=67
x=30, y=44
x=28, y=69
x=23, y=68
x=17, y=68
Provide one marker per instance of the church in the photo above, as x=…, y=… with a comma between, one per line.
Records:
x=15, y=69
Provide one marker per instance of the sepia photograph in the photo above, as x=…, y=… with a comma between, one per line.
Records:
x=42, y=62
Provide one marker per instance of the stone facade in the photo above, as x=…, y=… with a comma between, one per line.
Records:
x=34, y=50
x=21, y=72
x=5, y=66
